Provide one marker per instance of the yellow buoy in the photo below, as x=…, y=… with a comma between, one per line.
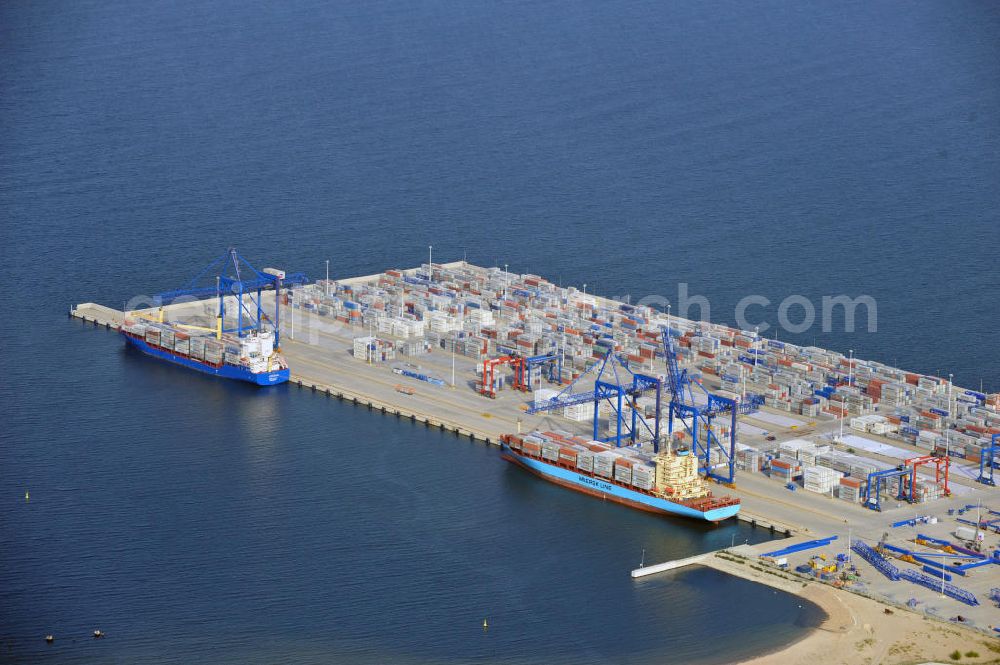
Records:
x=486, y=624
x=27, y=497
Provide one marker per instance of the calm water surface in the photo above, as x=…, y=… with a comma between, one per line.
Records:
x=849, y=148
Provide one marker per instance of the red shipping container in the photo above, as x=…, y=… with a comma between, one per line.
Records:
x=568, y=454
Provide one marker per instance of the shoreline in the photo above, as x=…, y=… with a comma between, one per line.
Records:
x=857, y=629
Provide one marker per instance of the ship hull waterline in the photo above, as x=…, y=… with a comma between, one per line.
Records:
x=224, y=371
x=605, y=490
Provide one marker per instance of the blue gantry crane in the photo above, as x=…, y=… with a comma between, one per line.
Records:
x=988, y=461
x=231, y=281
x=549, y=363
x=618, y=390
x=876, y=479
x=699, y=420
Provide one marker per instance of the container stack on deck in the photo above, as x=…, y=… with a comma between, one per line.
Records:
x=198, y=345
x=486, y=312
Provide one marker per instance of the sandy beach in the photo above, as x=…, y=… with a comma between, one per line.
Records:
x=858, y=630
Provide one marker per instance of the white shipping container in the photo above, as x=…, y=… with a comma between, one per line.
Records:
x=850, y=494
x=579, y=412
x=623, y=474
x=643, y=482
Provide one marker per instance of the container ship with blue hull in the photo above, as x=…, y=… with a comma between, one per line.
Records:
x=666, y=483
x=250, y=357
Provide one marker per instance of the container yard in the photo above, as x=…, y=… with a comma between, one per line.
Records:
x=813, y=443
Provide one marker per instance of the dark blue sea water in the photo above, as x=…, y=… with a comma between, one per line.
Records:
x=766, y=148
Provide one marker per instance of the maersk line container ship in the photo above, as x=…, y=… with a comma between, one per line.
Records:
x=249, y=358
x=666, y=483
